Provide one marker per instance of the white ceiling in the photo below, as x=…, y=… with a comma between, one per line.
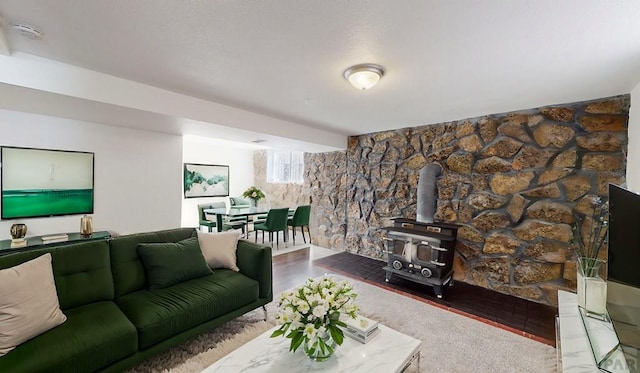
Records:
x=444, y=60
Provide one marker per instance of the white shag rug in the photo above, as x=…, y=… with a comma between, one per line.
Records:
x=450, y=342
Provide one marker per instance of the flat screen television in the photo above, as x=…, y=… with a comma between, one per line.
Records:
x=623, y=267
x=624, y=236
x=45, y=182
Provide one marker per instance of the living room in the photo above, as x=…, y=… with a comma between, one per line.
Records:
x=136, y=126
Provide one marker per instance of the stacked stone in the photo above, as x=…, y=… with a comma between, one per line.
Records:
x=277, y=195
x=513, y=182
x=325, y=181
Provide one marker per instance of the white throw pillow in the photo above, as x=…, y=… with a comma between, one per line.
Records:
x=219, y=249
x=28, y=302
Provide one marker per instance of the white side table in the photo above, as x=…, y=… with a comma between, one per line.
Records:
x=583, y=338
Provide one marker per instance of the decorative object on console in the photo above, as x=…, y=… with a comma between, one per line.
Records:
x=86, y=226
x=63, y=237
x=18, y=230
x=18, y=243
x=205, y=180
x=589, y=235
x=591, y=288
x=254, y=194
x=310, y=316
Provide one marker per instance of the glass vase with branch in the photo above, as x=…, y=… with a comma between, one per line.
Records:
x=590, y=235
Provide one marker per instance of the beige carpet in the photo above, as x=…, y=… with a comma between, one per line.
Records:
x=450, y=342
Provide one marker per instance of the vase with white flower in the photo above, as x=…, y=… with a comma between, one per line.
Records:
x=254, y=194
x=310, y=316
x=589, y=237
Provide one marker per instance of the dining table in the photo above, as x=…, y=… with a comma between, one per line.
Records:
x=234, y=212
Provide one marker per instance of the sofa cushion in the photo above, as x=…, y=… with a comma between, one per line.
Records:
x=128, y=272
x=219, y=249
x=28, y=302
x=169, y=263
x=82, y=271
x=163, y=313
x=93, y=337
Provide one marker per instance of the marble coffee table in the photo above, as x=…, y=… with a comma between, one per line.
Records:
x=389, y=351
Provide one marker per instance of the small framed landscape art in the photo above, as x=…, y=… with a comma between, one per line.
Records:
x=205, y=180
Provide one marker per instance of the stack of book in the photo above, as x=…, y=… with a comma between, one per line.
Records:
x=361, y=328
x=55, y=238
x=18, y=242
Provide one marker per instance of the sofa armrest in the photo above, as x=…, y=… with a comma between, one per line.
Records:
x=255, y=261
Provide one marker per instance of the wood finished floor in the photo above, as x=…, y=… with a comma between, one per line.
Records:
x=530, y=319
x=294, y=268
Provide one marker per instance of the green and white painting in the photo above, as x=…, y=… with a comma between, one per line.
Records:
x=39, y=182
x=205, y=180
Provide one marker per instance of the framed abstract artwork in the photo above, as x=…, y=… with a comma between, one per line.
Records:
x=205, y=180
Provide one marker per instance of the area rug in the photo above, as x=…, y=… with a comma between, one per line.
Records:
x=450, y=342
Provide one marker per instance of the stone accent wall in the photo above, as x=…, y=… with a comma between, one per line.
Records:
x=326, y=181
x=277, y=195
x=511, y=181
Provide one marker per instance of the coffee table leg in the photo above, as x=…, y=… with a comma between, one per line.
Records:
x=416, y=358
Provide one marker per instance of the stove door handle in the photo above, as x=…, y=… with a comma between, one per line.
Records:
x=438, y=263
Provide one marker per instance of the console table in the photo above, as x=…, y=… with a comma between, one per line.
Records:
x=35, y=242
x=586, y=344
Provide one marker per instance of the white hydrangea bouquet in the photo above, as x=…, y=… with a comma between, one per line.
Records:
x=310, y=315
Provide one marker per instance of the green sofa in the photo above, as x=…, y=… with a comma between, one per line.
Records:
x=113, y=320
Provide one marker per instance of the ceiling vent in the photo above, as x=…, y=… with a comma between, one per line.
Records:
x=27, y=31
x=258, y=141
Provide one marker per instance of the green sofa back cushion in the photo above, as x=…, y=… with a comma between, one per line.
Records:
x=169, y=263
x=127, y=268
x=82, y=271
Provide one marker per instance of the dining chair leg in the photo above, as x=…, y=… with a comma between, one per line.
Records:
x=262, y=236
x=277, y=240
x=256, y=236
x=294, y=235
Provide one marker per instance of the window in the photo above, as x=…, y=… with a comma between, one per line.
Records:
x=285, y=167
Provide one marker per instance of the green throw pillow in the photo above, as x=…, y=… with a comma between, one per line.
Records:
x=169, y=263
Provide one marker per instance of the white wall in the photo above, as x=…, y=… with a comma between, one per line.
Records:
x=138, y=174
x=633, y=155
x=239, y=158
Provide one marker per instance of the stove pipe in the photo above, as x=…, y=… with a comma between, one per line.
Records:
x=427, y=192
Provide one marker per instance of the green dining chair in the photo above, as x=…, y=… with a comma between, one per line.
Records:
x=276, y=222
x=300, y=219
x=229, y=224
x=239, y=202
x=202, y=216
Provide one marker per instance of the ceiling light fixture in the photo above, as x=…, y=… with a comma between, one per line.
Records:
x=363, y=76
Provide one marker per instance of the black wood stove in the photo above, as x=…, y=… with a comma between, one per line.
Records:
x=421, y=252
